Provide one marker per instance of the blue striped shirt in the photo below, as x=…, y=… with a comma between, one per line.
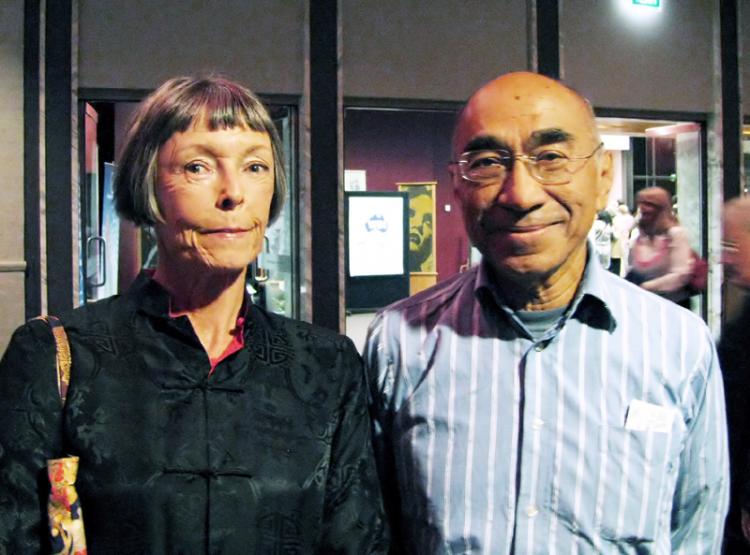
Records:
x=491, y=442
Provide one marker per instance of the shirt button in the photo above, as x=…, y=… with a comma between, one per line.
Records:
x=539, y=347
x=532, y=511
x=537, y=424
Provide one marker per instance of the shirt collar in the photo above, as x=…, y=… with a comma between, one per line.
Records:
x=589, y=304
x=152, y=299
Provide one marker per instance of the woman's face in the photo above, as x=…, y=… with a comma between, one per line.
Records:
x=214, y=190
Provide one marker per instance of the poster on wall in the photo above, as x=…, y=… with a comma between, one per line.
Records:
x=421, y=225
x=375, y=235
x=355, y=180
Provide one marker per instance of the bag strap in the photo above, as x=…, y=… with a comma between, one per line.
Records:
x=62, y=355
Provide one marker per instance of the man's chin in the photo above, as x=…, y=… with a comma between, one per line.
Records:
x=526, y=267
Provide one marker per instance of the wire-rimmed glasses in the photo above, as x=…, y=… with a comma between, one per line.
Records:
x=548, y=166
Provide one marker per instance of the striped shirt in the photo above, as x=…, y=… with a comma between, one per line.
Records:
x=605, y=435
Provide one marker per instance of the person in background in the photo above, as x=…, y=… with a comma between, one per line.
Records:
x=203, y=423
x=602, y=235
x=734, y=354
x=660, y=256
x=622, y=224
x=538, y=403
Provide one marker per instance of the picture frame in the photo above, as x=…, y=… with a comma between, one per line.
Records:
x=422, y=232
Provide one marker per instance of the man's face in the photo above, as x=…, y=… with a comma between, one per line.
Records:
x=524, y=228
x=735, y=254
x=649, y=212
x=420, y=223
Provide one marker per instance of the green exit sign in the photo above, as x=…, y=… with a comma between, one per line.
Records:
x=648, y=3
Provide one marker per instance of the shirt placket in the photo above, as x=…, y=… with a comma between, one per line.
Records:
x=535, y=459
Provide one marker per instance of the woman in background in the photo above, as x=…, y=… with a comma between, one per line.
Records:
x=203, y=423
x=660, y=256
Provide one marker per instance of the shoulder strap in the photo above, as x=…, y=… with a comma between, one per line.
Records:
x=63, y=359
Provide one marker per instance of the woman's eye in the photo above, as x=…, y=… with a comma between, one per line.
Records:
x=258, y=167
x=196, y=168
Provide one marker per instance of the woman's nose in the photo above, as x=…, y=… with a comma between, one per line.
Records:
x=231, y=192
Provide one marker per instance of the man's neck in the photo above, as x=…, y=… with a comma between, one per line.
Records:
x=533, y=292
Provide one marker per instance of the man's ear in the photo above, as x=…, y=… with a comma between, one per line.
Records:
x=605, y=175
x=456, y=180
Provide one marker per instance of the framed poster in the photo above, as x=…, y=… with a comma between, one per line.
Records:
x=376, y=249
x=375, y=235
x=355, y=180
x=421, y=225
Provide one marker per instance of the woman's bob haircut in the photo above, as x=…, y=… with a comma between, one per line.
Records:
x=172, y=108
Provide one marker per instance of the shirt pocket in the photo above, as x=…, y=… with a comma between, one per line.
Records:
x=626, y=490
x=638, y=480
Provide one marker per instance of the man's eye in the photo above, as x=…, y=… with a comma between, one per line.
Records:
x=550, y=156
x=488, y=160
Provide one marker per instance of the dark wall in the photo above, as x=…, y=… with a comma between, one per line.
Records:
x=408, y=146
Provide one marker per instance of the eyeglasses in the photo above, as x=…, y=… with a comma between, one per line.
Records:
x=491, y=167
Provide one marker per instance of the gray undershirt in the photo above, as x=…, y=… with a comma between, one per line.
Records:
x=539, y=321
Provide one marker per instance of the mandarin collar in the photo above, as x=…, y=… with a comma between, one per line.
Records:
x=152, y=298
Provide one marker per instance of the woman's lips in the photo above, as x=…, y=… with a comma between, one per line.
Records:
x=227, y=232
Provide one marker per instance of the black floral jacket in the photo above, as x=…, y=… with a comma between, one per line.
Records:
x=269, y=454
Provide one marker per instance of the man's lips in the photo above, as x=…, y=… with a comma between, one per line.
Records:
x=522, y=228
x=516, y=228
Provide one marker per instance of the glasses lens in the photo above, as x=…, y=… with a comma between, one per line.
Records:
x=485, y=165
x=551, y=166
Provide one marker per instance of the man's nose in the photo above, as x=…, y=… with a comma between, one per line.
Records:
x=520, y=191
x=231, y=191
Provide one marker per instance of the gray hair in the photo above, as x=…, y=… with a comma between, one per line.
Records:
x=172, y=108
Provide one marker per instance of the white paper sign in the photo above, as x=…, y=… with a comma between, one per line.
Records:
x=376, y=236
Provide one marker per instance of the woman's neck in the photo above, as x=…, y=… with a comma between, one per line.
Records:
x=211, y=300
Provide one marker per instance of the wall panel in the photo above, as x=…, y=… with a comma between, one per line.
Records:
x=438, y=50
x=660, y=60
x=11, y=160
x=137, y=44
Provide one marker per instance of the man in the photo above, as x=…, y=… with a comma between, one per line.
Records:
x=735, y=363
x=538, y=403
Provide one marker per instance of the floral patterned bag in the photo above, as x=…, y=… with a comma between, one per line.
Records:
x=63, y=506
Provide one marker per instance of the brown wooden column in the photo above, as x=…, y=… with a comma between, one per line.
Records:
x=731, y=101
x=548, y=37
x=326, y=154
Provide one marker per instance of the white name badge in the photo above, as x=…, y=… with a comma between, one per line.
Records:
x=646, y=417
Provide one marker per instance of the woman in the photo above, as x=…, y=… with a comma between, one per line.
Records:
x=660, y=256
x=202, y=423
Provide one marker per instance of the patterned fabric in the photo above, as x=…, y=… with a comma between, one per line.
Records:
x=67, y=536
x=269, y=454
x=491, y=442
x=64, y=508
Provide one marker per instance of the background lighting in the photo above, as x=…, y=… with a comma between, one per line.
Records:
x=642, y=12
